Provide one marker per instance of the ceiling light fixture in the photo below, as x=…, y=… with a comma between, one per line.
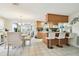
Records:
x=16, y=4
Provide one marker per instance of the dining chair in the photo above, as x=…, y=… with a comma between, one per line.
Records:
x=14, y=40
x=70, y=36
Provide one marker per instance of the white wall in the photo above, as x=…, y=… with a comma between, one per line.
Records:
x=1, y=24
x=75, y=29
x=8, y=24
x=73, y=15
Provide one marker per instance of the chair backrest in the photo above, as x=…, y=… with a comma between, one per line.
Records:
x=14, y=38
x=61, y=35
x=52, y=35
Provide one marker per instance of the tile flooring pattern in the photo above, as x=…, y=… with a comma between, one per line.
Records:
x=40, y=49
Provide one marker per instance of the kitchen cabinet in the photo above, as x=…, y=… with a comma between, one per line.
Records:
x=39, y=24
x=56, y=18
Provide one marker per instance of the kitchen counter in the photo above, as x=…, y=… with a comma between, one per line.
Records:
x=54, y=41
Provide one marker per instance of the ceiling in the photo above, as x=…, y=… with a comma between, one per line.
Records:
x=34, y=11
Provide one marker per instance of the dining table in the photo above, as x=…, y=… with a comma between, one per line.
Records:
x=25, y=37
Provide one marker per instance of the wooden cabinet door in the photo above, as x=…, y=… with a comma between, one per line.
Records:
x=55, y=19
x=39, y=24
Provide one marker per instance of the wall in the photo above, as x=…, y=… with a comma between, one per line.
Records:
x=6, y=23
x=1, y=24
x=73, y=15
x=75, y=26
x=75, y=29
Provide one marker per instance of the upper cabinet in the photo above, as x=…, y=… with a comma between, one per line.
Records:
x=39, y=24
x=55, y=18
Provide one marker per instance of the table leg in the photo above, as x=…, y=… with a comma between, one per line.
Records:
x=23, y=44
x=8, y=50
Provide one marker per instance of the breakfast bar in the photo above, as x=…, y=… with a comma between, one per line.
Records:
x=55, y=41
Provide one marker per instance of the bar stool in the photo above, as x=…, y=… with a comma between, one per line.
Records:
x=70, y=36
x=50, y=38
x=61, y=38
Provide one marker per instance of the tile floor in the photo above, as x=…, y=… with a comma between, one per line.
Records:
x=40, y=49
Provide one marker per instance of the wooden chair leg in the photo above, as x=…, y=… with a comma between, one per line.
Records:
x=67, y=42
x=59, y=43
x=49, y=44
